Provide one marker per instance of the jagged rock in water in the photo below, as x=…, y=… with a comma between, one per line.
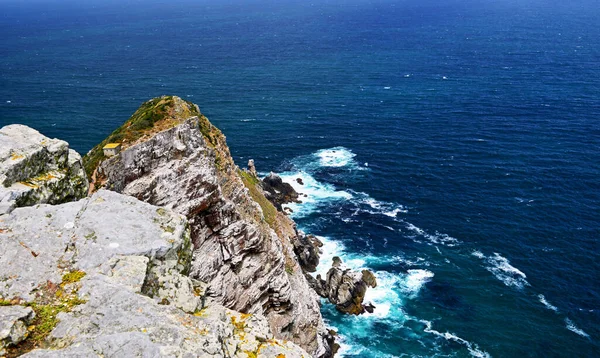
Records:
x=36, y=169
x=277, y=191
x=243, y=245
x=13, y=325
x=345, y=288
x=113, y=272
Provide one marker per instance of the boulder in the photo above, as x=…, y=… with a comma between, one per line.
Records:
x=252, y=168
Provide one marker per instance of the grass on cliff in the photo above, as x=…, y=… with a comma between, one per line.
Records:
x=153, y=116
x=269, y=211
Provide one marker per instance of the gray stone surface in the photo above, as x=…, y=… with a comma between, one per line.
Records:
x=36, y=169
x=83, y=235
x=127, y=248
x=13, y=324
x=247, y=266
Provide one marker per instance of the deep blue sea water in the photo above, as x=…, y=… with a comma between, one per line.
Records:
x=451, y=146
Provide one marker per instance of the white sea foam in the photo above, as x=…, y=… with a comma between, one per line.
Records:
x=384, y=297
x=473, y=348
x=478, y=254
x=312, y=192
x=547, y=304
x=573, y=328
x=336, y=157
x=330, y=249
x=503, y=270
x=414, y=281
x=379, y=207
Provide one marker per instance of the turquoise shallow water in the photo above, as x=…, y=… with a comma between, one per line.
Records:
x=450, y=146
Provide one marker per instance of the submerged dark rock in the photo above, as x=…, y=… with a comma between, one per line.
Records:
x=306, y=248
x=277, y=191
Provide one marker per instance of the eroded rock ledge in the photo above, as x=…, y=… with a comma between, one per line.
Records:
x=36, y=169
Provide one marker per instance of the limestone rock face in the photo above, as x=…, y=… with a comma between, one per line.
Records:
x=36, y=169
x=243, y=247
x=277, y=191
x=131, y=295
x=345, y=288
x=40, y=243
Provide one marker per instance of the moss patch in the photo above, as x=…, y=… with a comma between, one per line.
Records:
x=51, y=301
x=4, y=302
x=72, y=277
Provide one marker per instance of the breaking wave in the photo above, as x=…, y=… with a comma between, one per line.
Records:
x=573, y=328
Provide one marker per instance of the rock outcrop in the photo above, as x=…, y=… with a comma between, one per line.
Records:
x=108, y=276
x=36, y=169
x=14, y=321
x=345, y=288
x=306, y=248
x=243, y=247
x=277, y=191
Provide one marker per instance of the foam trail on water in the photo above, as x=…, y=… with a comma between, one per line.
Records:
x=503, y=270
x=473, y=348
x=573, y=328
x=437, y=238
x=547, y=304
x=378, y=207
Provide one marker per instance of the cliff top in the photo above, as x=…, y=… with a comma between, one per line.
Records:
x=152, y=117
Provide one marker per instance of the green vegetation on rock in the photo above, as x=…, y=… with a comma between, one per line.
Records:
x=72, y=277
x=53, y=299
x=251, y=182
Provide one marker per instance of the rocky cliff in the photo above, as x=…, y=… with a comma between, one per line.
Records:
x=244, y=249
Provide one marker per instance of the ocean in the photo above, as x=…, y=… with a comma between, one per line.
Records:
x=452, y=147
